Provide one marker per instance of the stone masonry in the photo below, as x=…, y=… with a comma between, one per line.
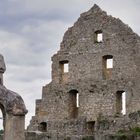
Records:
x=95, y=81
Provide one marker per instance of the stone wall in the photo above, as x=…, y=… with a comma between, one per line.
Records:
x=1, y=137
x=98, y=87
x=106, y=128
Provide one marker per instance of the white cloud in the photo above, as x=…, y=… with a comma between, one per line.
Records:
x=37, y=6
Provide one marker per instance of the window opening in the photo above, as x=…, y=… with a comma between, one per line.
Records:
x=90, y=127
x=124, y=103
x=121, y=102
x=109, y=63
x=98, y=36
x=66, y=67
x=73, y=103
x=1, y=121
x=43, y=127
x=107, y=66
x=77, y=100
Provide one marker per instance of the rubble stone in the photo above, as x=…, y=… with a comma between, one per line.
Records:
x=87, y=46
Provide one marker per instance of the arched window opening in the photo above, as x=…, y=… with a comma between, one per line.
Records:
x=42, y=127
x=107, y=66
x=98, y=36
x=73, y=103
x=121, y=102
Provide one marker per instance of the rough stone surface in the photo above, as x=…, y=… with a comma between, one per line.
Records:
x=2, y=69
x=99, y=88
x=2, y=64
x=12, y=102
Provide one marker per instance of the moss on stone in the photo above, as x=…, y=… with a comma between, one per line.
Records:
x=67, y=138
x=88, y=138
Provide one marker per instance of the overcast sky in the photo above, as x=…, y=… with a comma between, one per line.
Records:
x=31, y=31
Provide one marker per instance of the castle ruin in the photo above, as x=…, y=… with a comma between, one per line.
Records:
x=95, y=87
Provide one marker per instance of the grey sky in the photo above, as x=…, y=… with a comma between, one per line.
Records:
x=31, y=31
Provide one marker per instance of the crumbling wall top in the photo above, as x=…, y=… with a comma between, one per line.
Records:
x=95, y=20
x=12, y=102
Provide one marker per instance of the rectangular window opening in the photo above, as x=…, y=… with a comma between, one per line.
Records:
x=64, y=71
x=90, y=127
x=77, y=100
x=73, y=103
x=99, y=37
x=109, y=63
x=121, y=102
x=66, y=67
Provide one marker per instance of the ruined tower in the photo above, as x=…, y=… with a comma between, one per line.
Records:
x=95, y=73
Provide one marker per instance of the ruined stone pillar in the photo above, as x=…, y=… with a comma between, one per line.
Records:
x=13, y=110
x=14, y=127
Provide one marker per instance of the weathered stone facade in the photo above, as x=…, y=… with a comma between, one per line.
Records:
x=91, y=88
x=13, y=110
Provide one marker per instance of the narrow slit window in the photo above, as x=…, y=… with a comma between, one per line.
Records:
x=121, y=102
x=73, y=103
x=77, y=100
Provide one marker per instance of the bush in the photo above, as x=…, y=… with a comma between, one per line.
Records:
x=67, y=138
x=1, y=132
x=135, y=130
x=88, y=138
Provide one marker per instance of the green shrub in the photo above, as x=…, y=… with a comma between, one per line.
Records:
x=135, y=129
x=67, y=138
x=1, y=132
x=121, y=131
x=88, y=138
